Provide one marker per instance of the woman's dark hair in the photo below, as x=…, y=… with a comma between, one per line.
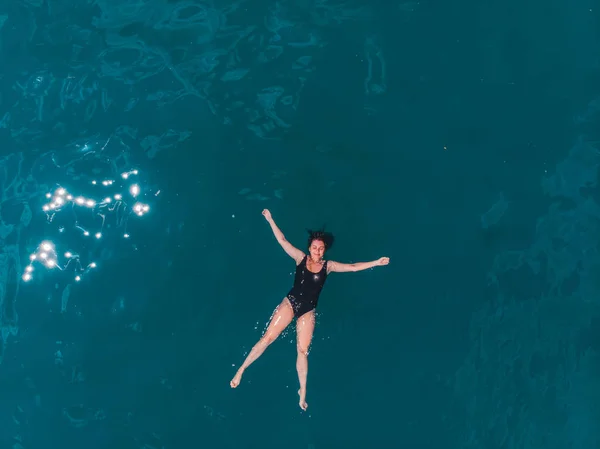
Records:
x=326, y=237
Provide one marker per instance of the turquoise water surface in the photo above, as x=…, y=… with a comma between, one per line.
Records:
x=141, y=139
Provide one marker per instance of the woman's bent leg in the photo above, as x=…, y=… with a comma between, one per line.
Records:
x=282, y=316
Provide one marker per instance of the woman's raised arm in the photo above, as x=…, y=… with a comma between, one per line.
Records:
x=290, y=249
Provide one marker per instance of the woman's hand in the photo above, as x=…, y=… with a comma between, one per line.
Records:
x=383, y=261
x=267, y=214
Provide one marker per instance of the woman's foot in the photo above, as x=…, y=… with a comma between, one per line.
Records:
x=303, y=404
x=236, y=379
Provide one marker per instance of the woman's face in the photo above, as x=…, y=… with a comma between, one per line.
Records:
x=317, y=249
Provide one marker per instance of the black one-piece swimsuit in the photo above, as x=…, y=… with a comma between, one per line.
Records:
x=304, y=295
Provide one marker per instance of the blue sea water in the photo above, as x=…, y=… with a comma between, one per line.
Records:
x=459, y=139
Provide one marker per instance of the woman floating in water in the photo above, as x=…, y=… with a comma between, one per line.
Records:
x=301, y=301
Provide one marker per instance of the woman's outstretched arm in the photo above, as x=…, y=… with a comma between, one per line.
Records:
x=358, y=266
x=290, y=249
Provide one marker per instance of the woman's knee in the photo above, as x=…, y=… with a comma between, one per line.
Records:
x=302, y=350
x=267, y=339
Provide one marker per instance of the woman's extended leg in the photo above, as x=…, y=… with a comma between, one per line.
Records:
x=282, y=316
x=305, y=327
